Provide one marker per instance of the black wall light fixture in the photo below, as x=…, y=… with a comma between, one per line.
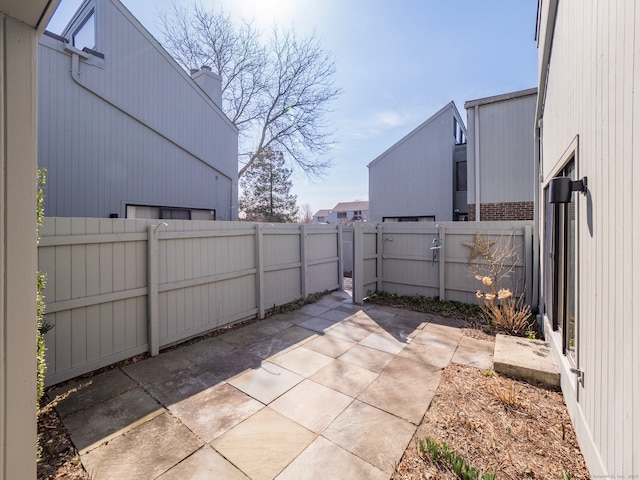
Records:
x=560, y=189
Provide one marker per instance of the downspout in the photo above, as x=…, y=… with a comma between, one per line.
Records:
x=476, y=157
x=75, y=75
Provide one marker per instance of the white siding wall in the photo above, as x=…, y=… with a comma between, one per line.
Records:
x=104, y=146
x=506, y=151
x=415, y=176
x=593, y=92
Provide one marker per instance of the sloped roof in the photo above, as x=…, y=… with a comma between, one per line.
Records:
x=322, y=213
x=351, y=206
x=500, y=98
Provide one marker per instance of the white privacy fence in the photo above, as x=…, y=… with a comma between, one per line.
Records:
x=430, y=259
x=117, y=288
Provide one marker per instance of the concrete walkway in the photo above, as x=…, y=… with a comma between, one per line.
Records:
x=329, y=391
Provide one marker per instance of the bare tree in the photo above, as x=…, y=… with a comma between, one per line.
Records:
x=306, y=214
x=277, y=93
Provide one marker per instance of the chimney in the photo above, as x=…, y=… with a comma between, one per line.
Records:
x=209, y=82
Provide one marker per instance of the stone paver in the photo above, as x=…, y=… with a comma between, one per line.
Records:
x=103, y=421
x=369, y=358
x=302, y=361
x=474, y=352
x=263, y=445
x=267, y=382
x=333, y=390
x=373, y=435
x=525, y=358
x=216, y=410
x=312, y=405
x=86, y=393
x=324, y=459
x=205, y=464
x=329, y=345
x=404, y=388
x=345, y=377
x=144, y=452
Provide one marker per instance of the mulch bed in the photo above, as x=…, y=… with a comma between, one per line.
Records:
x=497, y=424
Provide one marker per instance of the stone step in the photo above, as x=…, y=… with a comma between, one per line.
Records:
x=526, y=359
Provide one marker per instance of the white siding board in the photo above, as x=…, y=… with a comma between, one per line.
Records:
x=592, y=92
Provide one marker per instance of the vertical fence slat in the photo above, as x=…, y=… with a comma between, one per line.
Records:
x=442, y=262
x=528, y=263
x=259, y=272
x=152, y=291
x=379, y=247
x=304, y=268
x=358, y=264
x=340, y=257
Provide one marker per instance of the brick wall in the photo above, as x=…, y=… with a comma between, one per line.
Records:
x=502, y=211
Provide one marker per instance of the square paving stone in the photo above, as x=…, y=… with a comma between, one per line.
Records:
x=267, y=382
x=263, y=445
x=362, y=320
x=329, y=345
x=89, y=391
x=205, y=464
x=384, y=342
x=182, y=385
x=270, y=326
x=313, y=309
x=231, y=364
x=345, y=377
x=365, y=357
x=347, y=331
x=324, y=459
x=432, y=356
x=404, y=388
x=302, y=361
x=146, y=451
x=153, y=369
x=475, y=353
x=312, y=405
x=103, y=421
x=437, y=335
x=296, y=334
x=216, y=410
x=242, y=336
x=317, y=324
x=335, y=315
x=373, y=435
x=268, y=346
x=204, y=350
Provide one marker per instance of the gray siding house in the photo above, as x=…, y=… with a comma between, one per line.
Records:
x=500, y=146
x=588, y=127
x=348, y=212
x=124, y=131
x=414, y=179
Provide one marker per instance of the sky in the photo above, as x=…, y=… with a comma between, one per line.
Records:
x=397, y=63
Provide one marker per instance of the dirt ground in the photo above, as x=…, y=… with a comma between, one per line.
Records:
x=496, y=424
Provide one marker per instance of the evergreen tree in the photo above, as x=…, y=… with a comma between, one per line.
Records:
x=266, y=190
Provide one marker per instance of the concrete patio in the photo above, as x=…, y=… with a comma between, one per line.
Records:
x=332, y=390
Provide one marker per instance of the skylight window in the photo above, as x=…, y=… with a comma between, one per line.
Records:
x=85, y=35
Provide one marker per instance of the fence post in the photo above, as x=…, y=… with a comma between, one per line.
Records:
x=442, y=262
x=340, y=258
x=259, y=272
x=358, y=264
x=379, y=259
x=528, y=264
x=152, y=291
x=303, y=261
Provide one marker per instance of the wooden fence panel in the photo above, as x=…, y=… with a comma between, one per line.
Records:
x=205, y=275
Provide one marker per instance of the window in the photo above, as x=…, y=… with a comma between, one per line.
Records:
x=560, y=278
x=461, y=176
x=85, y=34
x=342, y=214
x=425, y=218
x=357, y=212
x=320, y=219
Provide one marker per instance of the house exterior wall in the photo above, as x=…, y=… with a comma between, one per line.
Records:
x=503, y=126
x=130, y=129
x=415, y=176
x=589, y=76
x=20, y=25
